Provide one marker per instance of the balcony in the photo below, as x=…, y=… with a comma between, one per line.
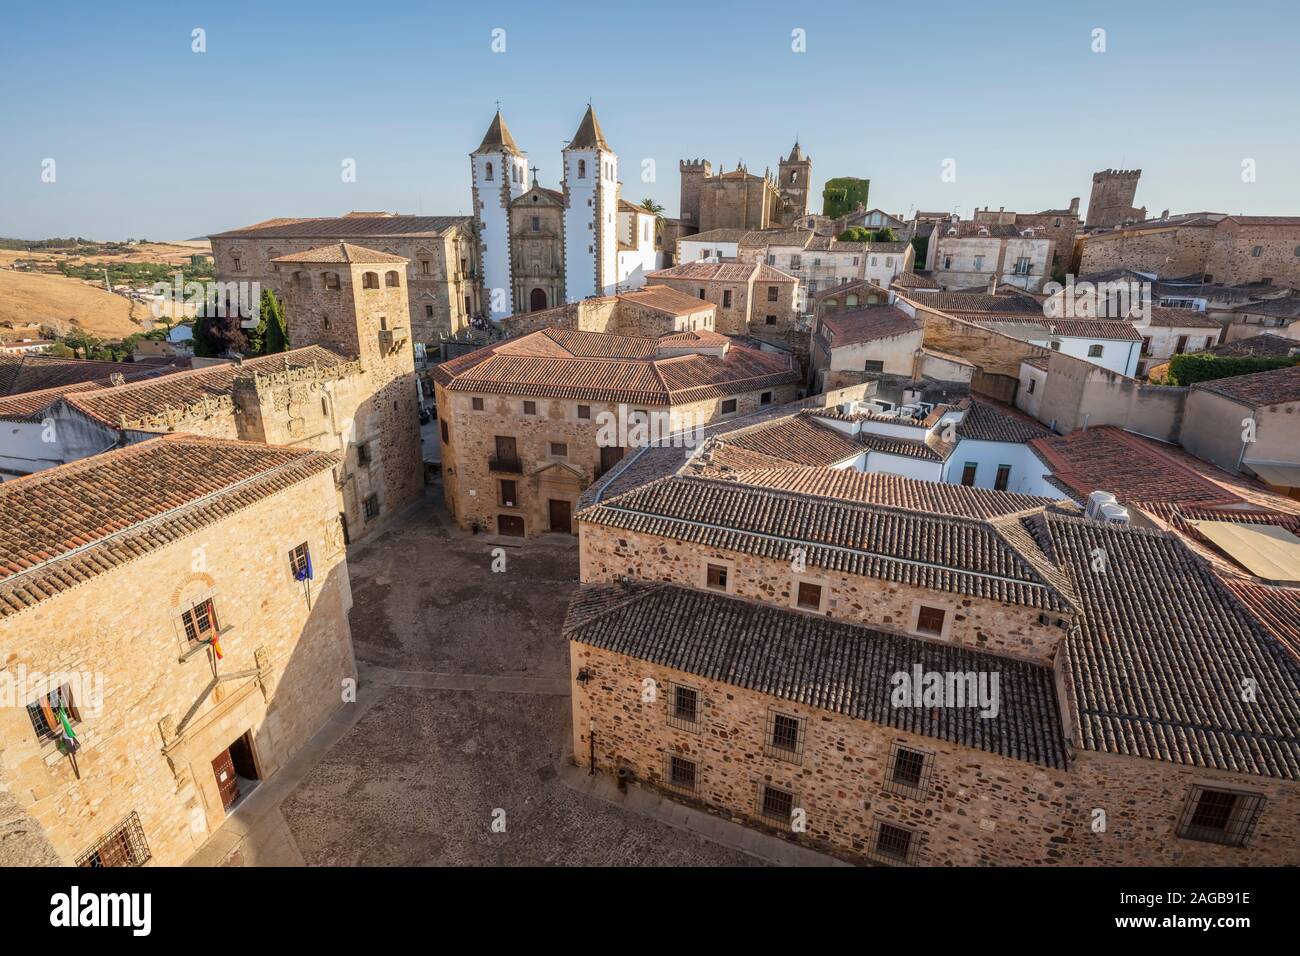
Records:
x=511, y=466
x=390, y=340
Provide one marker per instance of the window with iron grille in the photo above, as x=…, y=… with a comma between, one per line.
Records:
x=893, y=844
x=683, y=707
x=584, y=411
x=773, y=292
x=682, y=773
x=123, y=846
x=44, y=712
x=298, y=558
x=908, y=773
x=371, y=507
x=200, y=622
x=530, y=408
x=476, y=404
x=1220, y=816
x=784, y=737
x=775, y=804
x=728, y=406
x=929, y=620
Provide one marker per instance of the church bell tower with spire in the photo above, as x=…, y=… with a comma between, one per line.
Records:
x=499, y=174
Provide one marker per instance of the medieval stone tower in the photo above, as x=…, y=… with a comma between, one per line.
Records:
x=355, y=302
x=795, y=175
x=1111, y=200
x=499, y=174
x=590, y=212
x=693, y=173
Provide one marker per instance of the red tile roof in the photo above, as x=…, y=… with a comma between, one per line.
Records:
x=342, y=252
x=866, y=325
x=662, y=298
x=70, y=523
x=1258, y=389
x=607, y=367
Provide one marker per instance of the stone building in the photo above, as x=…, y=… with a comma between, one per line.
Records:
x=650, y=311
x=750, y=298
x=1111, y=201
x=183, y=603
x=541, y=247
x=442, y=270
x=975, y=255
x=352, y=394
x=743, y=200
x=529, y=423
x=1062, y=226
x=754, y=639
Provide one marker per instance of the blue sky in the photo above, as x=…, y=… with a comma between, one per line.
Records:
x=151, y=139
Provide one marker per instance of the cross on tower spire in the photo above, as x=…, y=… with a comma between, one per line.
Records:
x=534, y=170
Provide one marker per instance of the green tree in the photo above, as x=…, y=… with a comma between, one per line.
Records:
x=270, y=336
x=884, y=235
x=855, y=234
x=843, y=194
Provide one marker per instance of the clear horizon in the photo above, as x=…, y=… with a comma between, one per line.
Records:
x=184, y=144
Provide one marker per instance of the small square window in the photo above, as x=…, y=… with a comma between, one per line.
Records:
x=371, y=507
x=530, y=408
x=908, y=773
x=765, y=398
x=559, y=449
x=784, y=738
x=893, y=844
x=683, y=707
x=929, y=620
x=1220, y=816
x=809, y=596
x=363, y=453
x=775, y=804
x=682, y=773
x=716, y=577
x=584, y=411
x=47, y=711
x=200, y=622
x=770, y=320
x=476, y=404
x=1094, y=351
x=300, y=562
x=728, y=406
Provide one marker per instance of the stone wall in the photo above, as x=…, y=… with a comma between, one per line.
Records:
x=978, y=809
x=1078, y=394
x=138, y=754
x=1232, y=258
x=1169, y=251
x=606, y=554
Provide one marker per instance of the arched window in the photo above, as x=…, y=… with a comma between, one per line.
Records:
x=301, y=280
x=370, y=280
x=489, y=171
x=330, y=280
x=391, y=279
x=794, y=175
x=582, y=169
x=850, y=299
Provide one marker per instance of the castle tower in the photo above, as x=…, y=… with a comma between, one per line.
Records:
x=1111, y=200
x=355, y=302
x=693, y=173
x=795, y=175
x=590, y=212
x=499, y=170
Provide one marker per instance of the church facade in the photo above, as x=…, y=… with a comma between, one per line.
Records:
x=541, y=247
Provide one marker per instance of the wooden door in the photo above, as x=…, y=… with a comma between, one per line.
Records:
x=561, y=516
x=227, y=783
x=511, y=525
x=610, y=455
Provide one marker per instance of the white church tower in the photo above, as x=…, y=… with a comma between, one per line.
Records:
x=500, y=173
x=590, y=213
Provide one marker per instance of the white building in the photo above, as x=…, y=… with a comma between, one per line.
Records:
x=607, y=244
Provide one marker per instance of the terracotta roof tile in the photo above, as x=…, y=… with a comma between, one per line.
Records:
x=342, y=252
x=1258, y=389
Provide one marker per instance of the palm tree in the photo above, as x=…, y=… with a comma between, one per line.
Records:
x=649, y=205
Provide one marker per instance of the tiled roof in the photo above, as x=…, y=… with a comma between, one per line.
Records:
x=807, y=659
x=28, y=406
x=706, y=272
x=589, y=135
x=977, y=230
x=1287, y=307
x=1084, y=329
x=957, y=555
x=857, y=285
x=717, y=235
x=912, y=280
x=1159, y=653
x=985, y=422
x=666, y=299
x=33, y=373
x=1277, y=608
x=1265, y=343
x=866, y=325
x=930, y=449
x=67, y=524
x=977, y=302
x=342, y=252
x=797, y=439
x=540, y=364
x=1164, y=317
x=895, y=491
x=1258, y=389
x=498, y=139
x=348, y=227
x=140, y=400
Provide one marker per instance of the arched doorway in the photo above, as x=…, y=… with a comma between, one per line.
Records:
x=537, y=300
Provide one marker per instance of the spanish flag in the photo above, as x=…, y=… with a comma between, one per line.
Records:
x=216, y=644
